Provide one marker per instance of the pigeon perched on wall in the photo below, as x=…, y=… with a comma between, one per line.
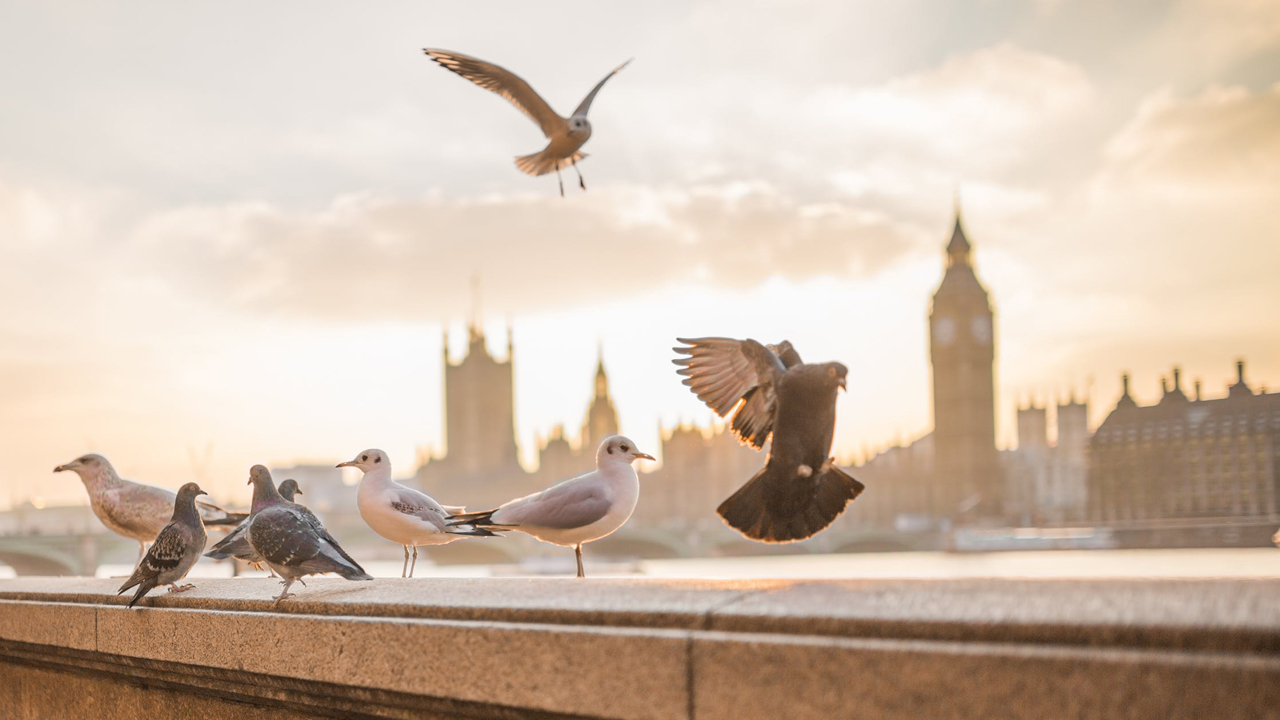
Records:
x=291, y=539
x=236, y=543
x=566, y=135
x=132, y=509
x=577, y=511
x=402, y=514
x=176, y=548
x=799, y=491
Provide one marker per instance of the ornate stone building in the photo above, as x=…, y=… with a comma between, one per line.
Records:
x=1188, y=459
x=968, y=479
x=700, y=468
x=1046, y=483
x=558, y=458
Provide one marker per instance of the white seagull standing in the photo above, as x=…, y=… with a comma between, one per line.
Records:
x=566, y=135
x=577, y=511
x=401, y=514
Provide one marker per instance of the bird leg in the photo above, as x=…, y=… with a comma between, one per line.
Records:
x=577, y=550
x=176, y=588
x=304, y=582
x=284, y=592
x=560, y=179
x=581, y=183
x=415, y=560
x=404, y=569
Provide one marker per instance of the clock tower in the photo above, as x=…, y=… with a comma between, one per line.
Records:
x=968, y=481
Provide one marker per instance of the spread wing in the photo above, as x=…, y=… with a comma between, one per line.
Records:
x=505, y=83
x=585, y=105
x=571, y=504
x=726, y=374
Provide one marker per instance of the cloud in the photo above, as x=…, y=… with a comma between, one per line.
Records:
x=1224, y=141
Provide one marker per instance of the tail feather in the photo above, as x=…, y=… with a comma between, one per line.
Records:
x=231, y=518
x=775, y=506
x=145, y=587
x=540, y=163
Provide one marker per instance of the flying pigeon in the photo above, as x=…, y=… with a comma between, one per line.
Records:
x=799, y=491
x=574, y=512
x=176, y=548
x=401, y=514
x=132, y=509
x=290, y=538
x=566, y=135
x=236, y=543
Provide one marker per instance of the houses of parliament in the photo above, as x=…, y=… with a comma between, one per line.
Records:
x=1183, y=460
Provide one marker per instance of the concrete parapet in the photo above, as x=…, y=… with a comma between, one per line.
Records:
x=645, y=649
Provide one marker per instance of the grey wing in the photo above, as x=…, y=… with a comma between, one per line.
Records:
x=141, y=510
x=235, y=545
x=421, y=506
x=567, y=505
x=726, y=374
x=283, y=537
x=164, y=556
x=585, y=105
x=503, y=82
x=786, y=353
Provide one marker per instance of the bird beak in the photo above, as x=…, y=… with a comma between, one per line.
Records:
x=298, y=491
x=249, y=481
x=62, y=468
x=843, y=385
x=202, y=493
x=349, y=463
x=642, y=456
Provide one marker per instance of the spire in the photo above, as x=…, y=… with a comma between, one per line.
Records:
x=1240, y=388
x=445, y=340
x=602, y=378
x=958, y=249
x=473, y=325
x=1126, y=400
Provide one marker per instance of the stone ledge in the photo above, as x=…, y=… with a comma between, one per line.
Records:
x=671, y=648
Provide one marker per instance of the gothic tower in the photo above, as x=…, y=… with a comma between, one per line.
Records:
x=479, y=409
x=962, y=350
x=602, y=418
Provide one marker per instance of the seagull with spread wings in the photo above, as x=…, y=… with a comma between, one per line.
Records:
x=799, y=491
x=566, y=135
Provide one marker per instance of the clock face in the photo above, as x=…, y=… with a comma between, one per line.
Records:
x=944, y=331
x=981, y=329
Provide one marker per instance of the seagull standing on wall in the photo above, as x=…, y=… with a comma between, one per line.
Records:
x=401, y=514
x=578, y=511
x=566, y=135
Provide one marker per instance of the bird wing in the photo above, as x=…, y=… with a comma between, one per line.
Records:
x=571, y=504
x=786, y=353
x=505, y=83
x=725, y=374
x=166, y=554
x=141, y=511
x=420, y=505
x=234, y=545
x=585, y=105
x=283, y=536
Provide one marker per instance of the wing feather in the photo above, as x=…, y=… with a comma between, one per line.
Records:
x=729, y=374
x=585, y=105
x=505, y=83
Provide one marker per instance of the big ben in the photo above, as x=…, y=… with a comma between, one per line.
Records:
x=967, y=483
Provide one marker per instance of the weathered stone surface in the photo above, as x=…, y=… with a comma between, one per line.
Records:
x=71, y=626
x=502, y=648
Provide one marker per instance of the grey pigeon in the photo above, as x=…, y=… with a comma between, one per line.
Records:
x=565, y=135
x=291, y=539
x=176, y=548
x=577, y=511
x=132, y=509
x=236, y=543
x=799, y=491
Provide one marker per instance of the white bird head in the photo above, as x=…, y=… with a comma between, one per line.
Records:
x=579, y=125
x=617, y=448
x=368, y=461
x=87, y=466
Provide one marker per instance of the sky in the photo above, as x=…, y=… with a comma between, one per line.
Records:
x=234, y=233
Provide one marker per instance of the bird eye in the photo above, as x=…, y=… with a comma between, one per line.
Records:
x=364, y=458
x=625, y=448
x=610, y=450
x=377, y=460
x=84, y=459
x=831, y=372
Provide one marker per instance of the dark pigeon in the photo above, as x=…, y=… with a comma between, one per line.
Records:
x=175, y=549
x=799, y=491
x=291, y=539
x=236, y=543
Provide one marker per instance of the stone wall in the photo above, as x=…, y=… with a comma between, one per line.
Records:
x=644, y=649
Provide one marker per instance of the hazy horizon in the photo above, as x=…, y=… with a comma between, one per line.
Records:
x=254, y=241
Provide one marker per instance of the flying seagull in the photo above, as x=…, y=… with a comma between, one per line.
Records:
x=799, y=491
x=290, y=538
x=574, y=512
x=401, y=514
x=132, y=509
x=236, y=543
x=175, y=550
x=566, y=135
